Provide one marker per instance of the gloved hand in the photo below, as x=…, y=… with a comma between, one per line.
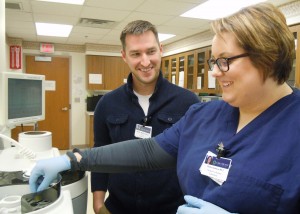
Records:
x=198, y=206
x=48, y=169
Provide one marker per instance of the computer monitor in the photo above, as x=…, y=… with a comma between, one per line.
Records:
x=22, y=98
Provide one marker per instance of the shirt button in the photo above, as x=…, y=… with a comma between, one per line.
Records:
x=170, y=119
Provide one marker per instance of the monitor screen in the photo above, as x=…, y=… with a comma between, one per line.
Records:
x=24, y=98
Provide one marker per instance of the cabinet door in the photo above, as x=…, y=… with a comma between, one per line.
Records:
x=113, y=71
x=178, y=68
x=116, y=71
x=94, y=71
x=190, y=72
x=181, y=70
x=294, y=78
x=201, y=84
x=166, y=68
x=205, y=82
x=89, y=130
x=174, y=69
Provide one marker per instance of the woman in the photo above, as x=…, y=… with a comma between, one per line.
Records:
x=255, y=128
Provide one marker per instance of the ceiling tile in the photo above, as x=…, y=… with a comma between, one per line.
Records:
x=155, y=19
x=165, y=7
x=105, y=14
x=89, y=30
x=47, y=8
x=165, y=14
x=57, y=19
x=115, y=4
x=12, y=16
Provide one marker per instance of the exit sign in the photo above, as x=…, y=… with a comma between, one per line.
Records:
x=46, y=48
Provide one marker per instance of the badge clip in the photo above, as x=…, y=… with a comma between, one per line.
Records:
x=222, y=151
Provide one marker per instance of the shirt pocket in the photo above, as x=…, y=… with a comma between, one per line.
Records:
x=117, y=126
x=168, y=118
x=250, y=195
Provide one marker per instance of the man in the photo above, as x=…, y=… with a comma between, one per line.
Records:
x=142, y=108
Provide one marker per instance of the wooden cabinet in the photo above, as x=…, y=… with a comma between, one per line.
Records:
x=94, y=65
x=190, y=77
x=166, y=68
x=177, y=65
x=294, y=79
x=89, y=130
x=116, y=70
x=205, y=83
x=190, y=70
x=113, y=71
x=197, y=76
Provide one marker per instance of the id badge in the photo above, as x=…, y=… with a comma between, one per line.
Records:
x=143, y=131
x=215, y=168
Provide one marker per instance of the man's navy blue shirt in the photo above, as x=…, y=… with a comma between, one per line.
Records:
x=115, y=119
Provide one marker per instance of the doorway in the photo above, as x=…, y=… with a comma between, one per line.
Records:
x=57, y=105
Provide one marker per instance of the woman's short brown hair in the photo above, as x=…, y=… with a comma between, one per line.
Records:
x=261, y=30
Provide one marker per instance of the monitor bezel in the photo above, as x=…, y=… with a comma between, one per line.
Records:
x=5, y=76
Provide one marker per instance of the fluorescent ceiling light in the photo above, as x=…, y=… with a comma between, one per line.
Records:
x=163, y=36
x=79, y=2
x=214, y=9
x=46, y=29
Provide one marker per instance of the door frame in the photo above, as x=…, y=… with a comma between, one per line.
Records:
x=70, y=86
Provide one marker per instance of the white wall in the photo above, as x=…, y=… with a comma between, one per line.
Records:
x=3, y=61
x=78, y=93
x=2, y=37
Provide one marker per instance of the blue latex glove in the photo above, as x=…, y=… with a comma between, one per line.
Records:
x=48, y=169
x=198, y=206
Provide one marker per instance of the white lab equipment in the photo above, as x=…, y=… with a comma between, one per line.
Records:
x=19, y=158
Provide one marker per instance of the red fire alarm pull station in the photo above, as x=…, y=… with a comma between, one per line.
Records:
x=15, y=57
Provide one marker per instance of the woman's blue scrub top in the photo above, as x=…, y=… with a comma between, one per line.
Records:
x=265, y=172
